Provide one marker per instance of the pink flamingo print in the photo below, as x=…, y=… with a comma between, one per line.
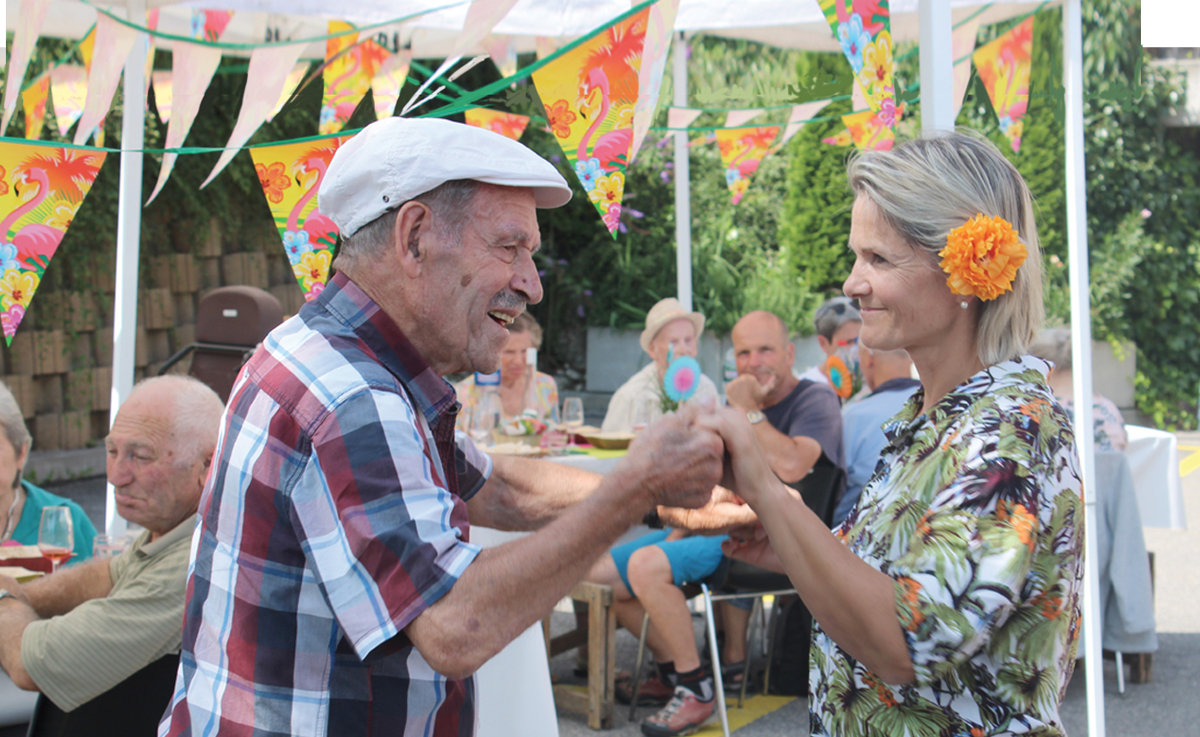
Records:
x=35, y=242
x=321, y=230
x=612, y=148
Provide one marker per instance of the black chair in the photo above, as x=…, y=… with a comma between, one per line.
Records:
x=230, y=323
x=132, y=708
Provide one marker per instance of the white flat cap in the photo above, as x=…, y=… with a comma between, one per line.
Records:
x=394, y=160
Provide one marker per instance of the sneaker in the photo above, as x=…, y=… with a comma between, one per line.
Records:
x=653, y=692
x=683, y=714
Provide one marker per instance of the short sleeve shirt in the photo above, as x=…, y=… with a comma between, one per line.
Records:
x=334, y=516
x=976, y=514
x=811, y=410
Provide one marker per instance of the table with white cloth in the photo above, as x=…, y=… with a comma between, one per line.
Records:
x=515, y=696
x=1154, y=462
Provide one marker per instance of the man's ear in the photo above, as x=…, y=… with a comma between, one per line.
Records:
x=413, y=222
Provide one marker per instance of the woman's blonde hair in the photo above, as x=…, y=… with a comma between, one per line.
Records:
x=928, y=186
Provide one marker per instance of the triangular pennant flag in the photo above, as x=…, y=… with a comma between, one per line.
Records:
x=265, y=79
x=1004, y=66
x=164, y=94
x=482, y=17
x=104, y=71
x=863, y=28
x=40, y=190
x=68, y=90
x=193, y=69
x=870, y=130
x=681, y=117
x=33, y=101
x=963, y=43
x=208, y=25
x=509, y=125
x=293, y=80
x=503, y=53
x=290, y=174
x=152, y=24
x=349, y=68
x=589, y=94
x=545, y=46
x=388, y=81
x=659, y=28
x=842, y=138
x=738, y=118
x=29, y=22
x=742, y=150
x=704, y=139
x=800, y=116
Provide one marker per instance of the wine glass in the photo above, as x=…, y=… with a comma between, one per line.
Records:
x=555, y=436
x=482, y=422
x=56, y=535
x=572, y=417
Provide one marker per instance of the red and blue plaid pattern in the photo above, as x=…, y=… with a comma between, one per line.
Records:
x=334, y=515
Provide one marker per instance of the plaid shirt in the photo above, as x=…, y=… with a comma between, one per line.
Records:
x=333, y=516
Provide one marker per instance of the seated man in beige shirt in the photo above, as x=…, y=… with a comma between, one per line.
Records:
x=76, y=634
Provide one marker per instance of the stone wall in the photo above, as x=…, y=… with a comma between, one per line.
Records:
x=59, y=365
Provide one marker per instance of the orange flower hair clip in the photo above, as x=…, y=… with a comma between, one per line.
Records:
x=982, y=256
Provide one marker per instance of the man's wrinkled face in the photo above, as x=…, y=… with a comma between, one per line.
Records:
x=676, y=338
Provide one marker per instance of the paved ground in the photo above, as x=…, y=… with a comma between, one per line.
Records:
x=1167, y=706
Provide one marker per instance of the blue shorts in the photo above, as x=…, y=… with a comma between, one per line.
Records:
x=692, y=559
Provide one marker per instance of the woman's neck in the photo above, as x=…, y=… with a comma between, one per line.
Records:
x=512, y=395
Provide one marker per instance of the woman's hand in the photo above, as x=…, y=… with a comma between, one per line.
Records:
x=724, y=512
x=752, y=546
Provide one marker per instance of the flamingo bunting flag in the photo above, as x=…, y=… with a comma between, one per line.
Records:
x=41, y=188
x=33, y=101
x=863, y=28
x=193, y=69
x=29, y=22
x=164, y=94
x=104, y=70
x=659, y=29
x=388, y=81
x=742, y=150
x=963, y=43
x=349, y=68
x=509, y=125
x=589, y=94
x=290, y=174
x=1004, y=66
x=68, y=90
x=293, y=80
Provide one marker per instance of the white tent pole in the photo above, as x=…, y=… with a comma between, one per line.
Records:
x=129, y=230
x=1081, y=348
x=683, y=204
x=937, y=63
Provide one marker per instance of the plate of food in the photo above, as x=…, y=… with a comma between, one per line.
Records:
x=609, y=440
x=517, y=449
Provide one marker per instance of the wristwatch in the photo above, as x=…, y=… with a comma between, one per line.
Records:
x=755, y=416
x=4, y=593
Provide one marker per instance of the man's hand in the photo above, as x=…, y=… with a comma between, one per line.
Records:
x=747, y=468
x=678, y=461
x=725, y=511
x=747, y=393
x=752, y=546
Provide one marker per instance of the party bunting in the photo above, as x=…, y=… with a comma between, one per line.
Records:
x=388, y=81
x=41, y=188
x=1004, y=66
x=869, y=130
x=293, y=80
x=68, y=90
x=742, y=150
x=963, y=43
x=86, y=47
x=738, y=118
x=679, y=118
x=863, y=28
x=193, y=68
x=290, y=174
x=503, y=54
x=589, y=94
x=482, y=16
x=841, y=138
x=544, y=46
x=265, y=80
x=799, y=117
x=164, y=94
x=349, y=68
x=657, y=48
x=33, y=101
x=509, y=125
x=29, y=22
x=104, y=71
x=208, y=25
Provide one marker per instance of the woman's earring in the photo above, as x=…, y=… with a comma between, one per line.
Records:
x=964, y=304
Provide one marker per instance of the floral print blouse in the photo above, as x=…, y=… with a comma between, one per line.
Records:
x=975, y=511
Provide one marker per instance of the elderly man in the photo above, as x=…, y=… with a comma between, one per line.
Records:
x=671, y=331
x=78, y=633
x=334, y=589
x=888, y=374
x=837, y=323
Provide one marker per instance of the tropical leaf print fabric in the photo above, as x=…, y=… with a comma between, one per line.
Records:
x=975, y=511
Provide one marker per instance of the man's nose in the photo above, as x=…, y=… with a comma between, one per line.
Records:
x=526, y=281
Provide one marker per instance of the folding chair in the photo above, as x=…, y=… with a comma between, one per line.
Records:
x=132, y=708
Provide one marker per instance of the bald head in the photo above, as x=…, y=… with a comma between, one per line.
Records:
x=762, y=349
x=762, y=323
x=881, y=366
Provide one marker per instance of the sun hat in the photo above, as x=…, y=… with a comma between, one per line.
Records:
x=393, y=160
x=666, y=311
x=834, y=314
